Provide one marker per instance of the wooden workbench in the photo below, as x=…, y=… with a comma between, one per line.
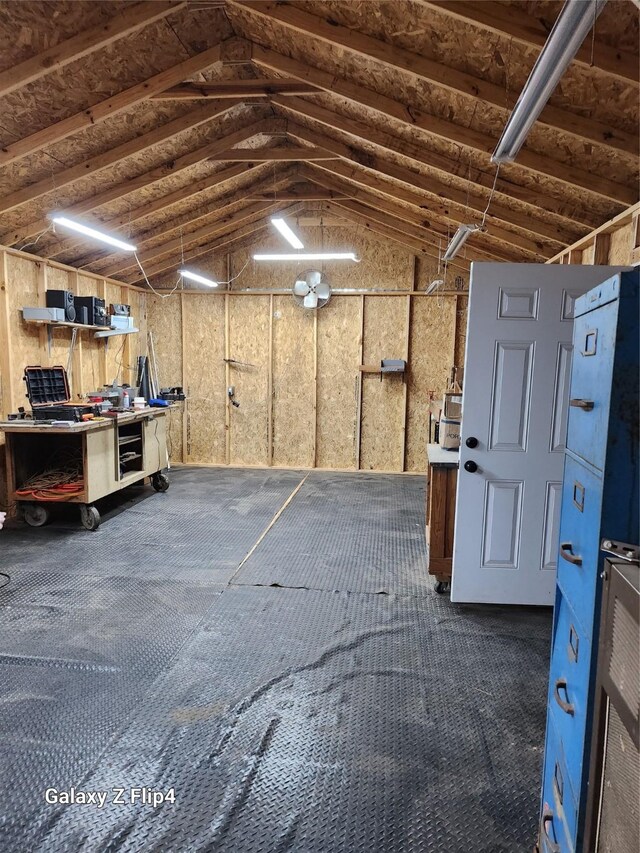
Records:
x=115, y=452
x=441, y=506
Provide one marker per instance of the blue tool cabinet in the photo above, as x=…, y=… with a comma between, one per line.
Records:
x=599, y=499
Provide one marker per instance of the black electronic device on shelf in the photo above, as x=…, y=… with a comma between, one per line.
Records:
x=62, y=299
x=48, y=392
x=97, y=314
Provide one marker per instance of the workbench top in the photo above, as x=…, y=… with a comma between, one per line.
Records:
x=83, y=426
x=438, y=456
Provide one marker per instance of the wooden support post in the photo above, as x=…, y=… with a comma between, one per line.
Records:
x=227, y=374
x=77, y=376
x=102, y=293
x=635, y=238
x=125, y=375
x=314, y=458
x=359, y=403
x=601, y=248
x=270, y=388
x=405, y=379
x=575, y=256
x=185, y=409
x=45, y=332
x=7, y=397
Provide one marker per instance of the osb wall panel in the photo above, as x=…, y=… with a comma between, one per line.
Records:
x=27, y=344
x=382, y=401
x=164, y=318
x=93, y=361
x=339, y=326
x=249, y=343
x=204, y=371
x=431, y=357
x=620, y=249
x=293, y=386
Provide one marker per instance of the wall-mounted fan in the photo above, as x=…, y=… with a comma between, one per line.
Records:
x=311, y=289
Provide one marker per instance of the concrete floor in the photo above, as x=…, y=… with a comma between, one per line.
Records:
x=307, y=693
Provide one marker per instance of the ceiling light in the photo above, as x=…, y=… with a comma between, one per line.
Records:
x=569, y=31
x=287, y=233
x=309, y=256
x=91, y=232
x=459, y=239
x=193, y=276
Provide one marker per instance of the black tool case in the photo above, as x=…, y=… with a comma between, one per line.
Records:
x=48, y=392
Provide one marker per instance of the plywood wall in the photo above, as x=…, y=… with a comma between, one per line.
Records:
x=23, y=282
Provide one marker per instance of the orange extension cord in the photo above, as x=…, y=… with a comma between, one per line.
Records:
x=55, y=484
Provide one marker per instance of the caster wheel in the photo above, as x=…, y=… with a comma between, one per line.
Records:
x=160, y=482
x=90, y=517
x=36, y=515
x=440, y=587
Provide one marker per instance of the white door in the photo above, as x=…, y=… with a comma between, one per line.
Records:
x=515, y=400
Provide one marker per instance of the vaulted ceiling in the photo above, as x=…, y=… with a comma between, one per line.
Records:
x=184, y=125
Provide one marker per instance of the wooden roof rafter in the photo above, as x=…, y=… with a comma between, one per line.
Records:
x=447, y=77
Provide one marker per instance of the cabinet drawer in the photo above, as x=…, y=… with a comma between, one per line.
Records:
x=591, y=375
x=569, y=689
x=559, y=816
x=580, y=540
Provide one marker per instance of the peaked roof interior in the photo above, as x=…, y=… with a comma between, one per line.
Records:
x=184, y=125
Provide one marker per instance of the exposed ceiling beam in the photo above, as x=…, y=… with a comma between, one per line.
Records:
x=162, y=133
x=538, y=247
x=305, y=192
x=387, y=212
x=164, y=202
x=528, y=30
x=81, y=45
x=291, y=154
x=258, y=222
x=116, y=261
x=262, y=88
x=444, y=76
x=388, y=220
x=122, y=189
x=331, y=83
x=362, y=131
x=110, y=107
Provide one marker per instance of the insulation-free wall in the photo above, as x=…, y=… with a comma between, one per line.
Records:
x=24, y=280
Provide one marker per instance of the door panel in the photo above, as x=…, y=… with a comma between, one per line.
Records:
x=515, y=404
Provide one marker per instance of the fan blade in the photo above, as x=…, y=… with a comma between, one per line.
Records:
x=314, y=277
x=310, y=300
x=301, y=288
x=323, y=291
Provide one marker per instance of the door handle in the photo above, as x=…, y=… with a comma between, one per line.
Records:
x=567, y=707
x=549, y=845
x=471, y=441
x=471, y=466
x=585, y=405
x=566, y=552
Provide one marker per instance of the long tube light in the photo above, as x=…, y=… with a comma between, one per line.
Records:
x=569, y=31
x=101, y=236
x=308, y=256
x=459, y=239
x=193, y=276
x=286, y=232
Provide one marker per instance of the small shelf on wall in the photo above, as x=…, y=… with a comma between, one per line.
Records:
x=65, y=324
x=110, y=333
x=388, y=366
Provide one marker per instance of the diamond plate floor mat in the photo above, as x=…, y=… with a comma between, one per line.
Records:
x=303, y=720
x=209, y=519
x=312, y=721
x=347, y=532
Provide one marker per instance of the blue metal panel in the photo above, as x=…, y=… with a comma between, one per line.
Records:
x=580, y=540
x=600, y=498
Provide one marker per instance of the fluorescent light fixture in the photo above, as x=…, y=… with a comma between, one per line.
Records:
x=309, y=256
x=569, y=31
x=286, y=232
x=91, y=232
x=459, y=239
x=193, y=276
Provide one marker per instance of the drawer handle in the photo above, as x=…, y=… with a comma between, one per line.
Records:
x=585, y=405
x=549, y=845
x=566, y=552
x=567, y=707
